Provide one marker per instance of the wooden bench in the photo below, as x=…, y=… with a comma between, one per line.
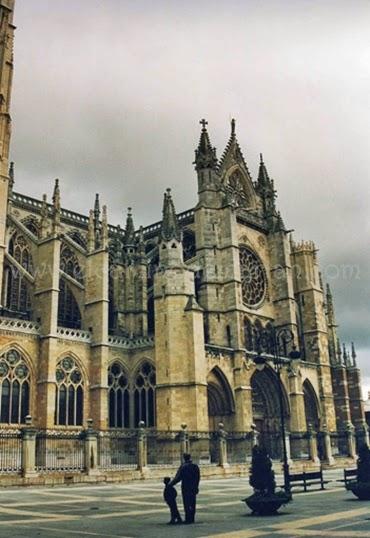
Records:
x=305, y=480
x=349, y=474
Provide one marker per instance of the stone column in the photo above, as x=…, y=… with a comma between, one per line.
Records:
x=350, y=432
x=287, y=444
x=222, y=446
x=312, y=445
x=184, y=441
x=141, y=447
x=91, y=449
x=327, y=446
x=28, y=449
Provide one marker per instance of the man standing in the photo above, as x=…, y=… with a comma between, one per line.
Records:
x=189, y=476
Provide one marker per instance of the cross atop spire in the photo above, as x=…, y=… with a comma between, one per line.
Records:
x=170, y=228
x=205, y=154
x=203, y=123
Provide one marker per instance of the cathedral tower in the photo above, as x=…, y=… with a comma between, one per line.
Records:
x=6, y=75
x=181, y=390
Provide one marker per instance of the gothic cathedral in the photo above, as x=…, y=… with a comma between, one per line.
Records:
x=163, y=324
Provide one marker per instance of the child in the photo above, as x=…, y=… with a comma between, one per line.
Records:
x=169, y=495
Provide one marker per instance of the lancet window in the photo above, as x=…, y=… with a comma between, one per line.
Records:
x=14, y=388
x=69, y=393
x=119, y=397
x=144, y=395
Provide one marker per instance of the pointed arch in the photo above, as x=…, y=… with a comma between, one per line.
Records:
x=77, y=237
x=144, y=383
x=69, y=393
x=17, y=289
x=15, y=385
x=118, y=395
x=239, y=188
x=32, y=224
x=221, y=404
x=69, y=264
x=188, y=244
x=69, y=314
x=248, y=334
x=311, y=406
x=266, y=409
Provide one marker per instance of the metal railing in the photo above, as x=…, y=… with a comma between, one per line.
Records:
x=10, y=452
x=117, y=450
x=59, y=451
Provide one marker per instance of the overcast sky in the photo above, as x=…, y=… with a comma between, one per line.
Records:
x=108, y=95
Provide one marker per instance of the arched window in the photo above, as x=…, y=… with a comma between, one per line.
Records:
x=111, y=307
x=188, y=245
x=18, y=297
x=32, y=224
x=68, y=311
x=259, y=343
x=144, y=395
x=77, y=237
x=269, y=329
x=14, y=388
x=69, y=393
x=248, y=334
x=119, y=398
x=69, y=264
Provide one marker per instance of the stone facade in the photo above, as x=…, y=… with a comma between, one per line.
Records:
x=161, y=324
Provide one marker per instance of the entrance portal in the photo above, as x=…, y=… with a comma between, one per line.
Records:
x=266, y=411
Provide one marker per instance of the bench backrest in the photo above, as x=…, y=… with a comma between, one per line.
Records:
x=348, y=473
x=305, y=476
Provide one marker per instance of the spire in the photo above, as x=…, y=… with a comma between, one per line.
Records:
x=56, y=195
x=44, y=217
x=129, y=238
x=205, y=154
x=330, y=306
x=170, y=227
x=346, y=356
x=141, y=242
x=353, y=354
x=56, y=206
x=96, y=211
x=263, y=177
x=90, y=232
x=339, y=351
x=233, y=154
x=11, y=176
x=104, y=228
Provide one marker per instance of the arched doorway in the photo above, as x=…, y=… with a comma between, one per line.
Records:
x=266, y=410
x=220, y=400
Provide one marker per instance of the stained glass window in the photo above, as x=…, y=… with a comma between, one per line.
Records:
x=14, y=388
x=252, y=277
x=68, y=311
x=69, y=393
x=119, y=397
x=18, y=297
x=144, y=395
x=69, y=264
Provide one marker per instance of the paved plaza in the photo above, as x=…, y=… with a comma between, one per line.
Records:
x=136, y=510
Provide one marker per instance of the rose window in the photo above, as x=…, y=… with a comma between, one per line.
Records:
x=252, y=277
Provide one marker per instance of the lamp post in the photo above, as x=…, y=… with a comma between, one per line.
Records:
x=274, y=341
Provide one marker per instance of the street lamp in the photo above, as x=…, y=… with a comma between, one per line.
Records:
x=274, y=341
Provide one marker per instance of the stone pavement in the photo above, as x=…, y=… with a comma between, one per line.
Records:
x=136, y=510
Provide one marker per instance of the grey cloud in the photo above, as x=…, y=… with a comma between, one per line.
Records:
x=108, y=94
